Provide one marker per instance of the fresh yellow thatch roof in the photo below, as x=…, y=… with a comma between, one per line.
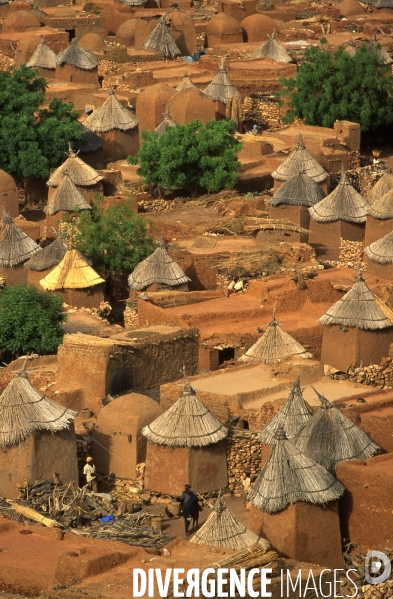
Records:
x=73, y=272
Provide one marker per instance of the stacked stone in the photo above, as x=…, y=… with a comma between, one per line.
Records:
x=351, y=253
x=263, y=110
x=364, y=178
x=378, y=591
x=243, y=449
x=375, y=375
x=131, y=317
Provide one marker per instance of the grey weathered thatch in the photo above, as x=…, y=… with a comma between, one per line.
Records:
x=158, y=268
x=66, y=197
x=357, y=308
x=272, y=49
x=50, y=256
x=43, y=57
x=300, y=161
x=290, y=476
x=381, y=187
x=222, y=529
x=133, y=2
x=186, y=83
x=161, y=40
x=381, y=251
x=383, y=56
x=343, y=203
x=15, y=246
x=382, y=209
x=299, y=190
x=188, y=423
x=221, y=89
x=330, y=437
x=25, y=411
x=274, y=345
x=294, y=413
x=167, y=122
x=90, y=142
x=76, y=56
x=79, y=172
x=111, y=115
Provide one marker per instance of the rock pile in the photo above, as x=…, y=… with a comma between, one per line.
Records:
x=131, y=317
x=263, y=110
x=375, y=375
x=243, y=449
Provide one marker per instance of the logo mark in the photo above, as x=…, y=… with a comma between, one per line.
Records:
x=377, y=567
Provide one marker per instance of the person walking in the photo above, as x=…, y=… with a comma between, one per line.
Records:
x=90, y=473
x=188, y=502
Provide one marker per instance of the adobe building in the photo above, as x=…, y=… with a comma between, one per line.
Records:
x=84, y=177
x=379, y=257
x=357, y=329
x=379, y=218
x=236, y=10
x=37, y=438
x=151, y=105
x=65, y=199
x=223, y=29
x=41, y=263
x=77, y=65
x=21, y=20
x=90, y=149
x=44, y=60
x=221, y=90
x=182, y=30
x=117, y=126
x=257, y=27
x=9, y=199
x=186, y=446
x=15, y=248
x=189, y=105
x=126, y=33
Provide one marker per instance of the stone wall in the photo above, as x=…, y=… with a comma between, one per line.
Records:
x=243, y=449
x=80, y=25
x=262, y=110
x=375, y=375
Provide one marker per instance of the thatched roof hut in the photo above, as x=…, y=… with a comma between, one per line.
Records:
x=73, y=272
x=381, y=187
x=381, y=251
x=43, y=57
x=90, y=142
x=357, y=308
x=300, y=161
x=161, y=40
x=76, y=56
x=167, y=122
x=78, y=171
x=186, y=83
x=290, y=476
x=272, y=49
x=221, y=89
x=187, y=423
x=274, y=345
x=330, y=437
x=67, y=197
x=299, y=190
x=292, y=416
x=24, y=411
x=158, y=268
x=15, y=246
x=111, y=115
x=382, y=208
x=50, y=256
x=343, y=203
x=222, y=529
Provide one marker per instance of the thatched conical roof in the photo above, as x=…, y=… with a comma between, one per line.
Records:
x=79, y=172
x=381, y=187
x=25, y=411
x=43, y=57
x=300, y=161
x=90, y=141
x=167, y=122
x=50, y=256
x=357, y=308
x=290, y=476
x=343, y=203
x=111, y=115
x=274, y=345
x=272, y=49
x=66, y=197
x=381, y=251
x=15, y=245
x=76, y=56
x=159, y=268
x=330, y=437
x=73, y=272
x=161, y=40
x=294, y=413
x=299, y=190
x=222, y=529
x=382, y=209
x=188, y=423
x=221, y=89
x=186, y=83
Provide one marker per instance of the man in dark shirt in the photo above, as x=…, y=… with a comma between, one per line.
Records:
x=188, y=504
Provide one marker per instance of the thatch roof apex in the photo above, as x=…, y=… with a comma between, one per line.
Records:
x=159, y=268
x=66, y=197
x=73, y=272
x=300, y=160
x=272, y=49
x=43, y=57
x=161, y=40
x=167, y=122
x=15, y=246
x=381, y=187
x=382, y=208
x=299, y=190
x=50, y=256
x=221, y=89
x=186, y=83
x=381, y=251
x=111, y=115
x=79, y=172
x=77, y=56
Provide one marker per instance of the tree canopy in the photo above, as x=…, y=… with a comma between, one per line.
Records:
x=191, y=156
x=30, y=320
x=33, y=139
x=329, y=87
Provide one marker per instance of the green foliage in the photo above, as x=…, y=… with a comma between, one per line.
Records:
x=132, y=160
x=114, y=239
x=33, y=139
x=249, y=195
x=30, y=320
x=330, y=87
x=191, y=156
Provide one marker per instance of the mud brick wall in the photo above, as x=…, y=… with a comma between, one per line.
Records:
x=218, y=404
x=243, y=449
x=81, y=26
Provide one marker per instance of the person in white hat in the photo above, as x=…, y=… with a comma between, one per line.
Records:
x=90, y=472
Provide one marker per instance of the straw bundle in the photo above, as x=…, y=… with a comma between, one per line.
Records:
x=234, y=110
x=381, y=187
x=186, y=83
x=90, y=142
x=222, y=529
x=66, y=197
x=274, y=345
x=43, y=57
x=188, y=423
x=50, y=256
x=292, y=416
x=381, y=251
x=330, y=437
x=344, y=203
x=299, y=190
x=158, y=268
x=15, y=245
x=78, y=57
x=111, y=115
x=290, y=476
x=73, y=272
x=382, y=208
x=221, y=89
x=79, y=172
x=161, y=40
x=24, y=411
x=167, y=122
x=300, y=161
x=357, y=308
x=272, y=49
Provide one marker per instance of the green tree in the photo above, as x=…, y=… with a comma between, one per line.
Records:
x=33, y=139
x=191, y=156
x=329, y=87
x=30, y=320
x=114, y=239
